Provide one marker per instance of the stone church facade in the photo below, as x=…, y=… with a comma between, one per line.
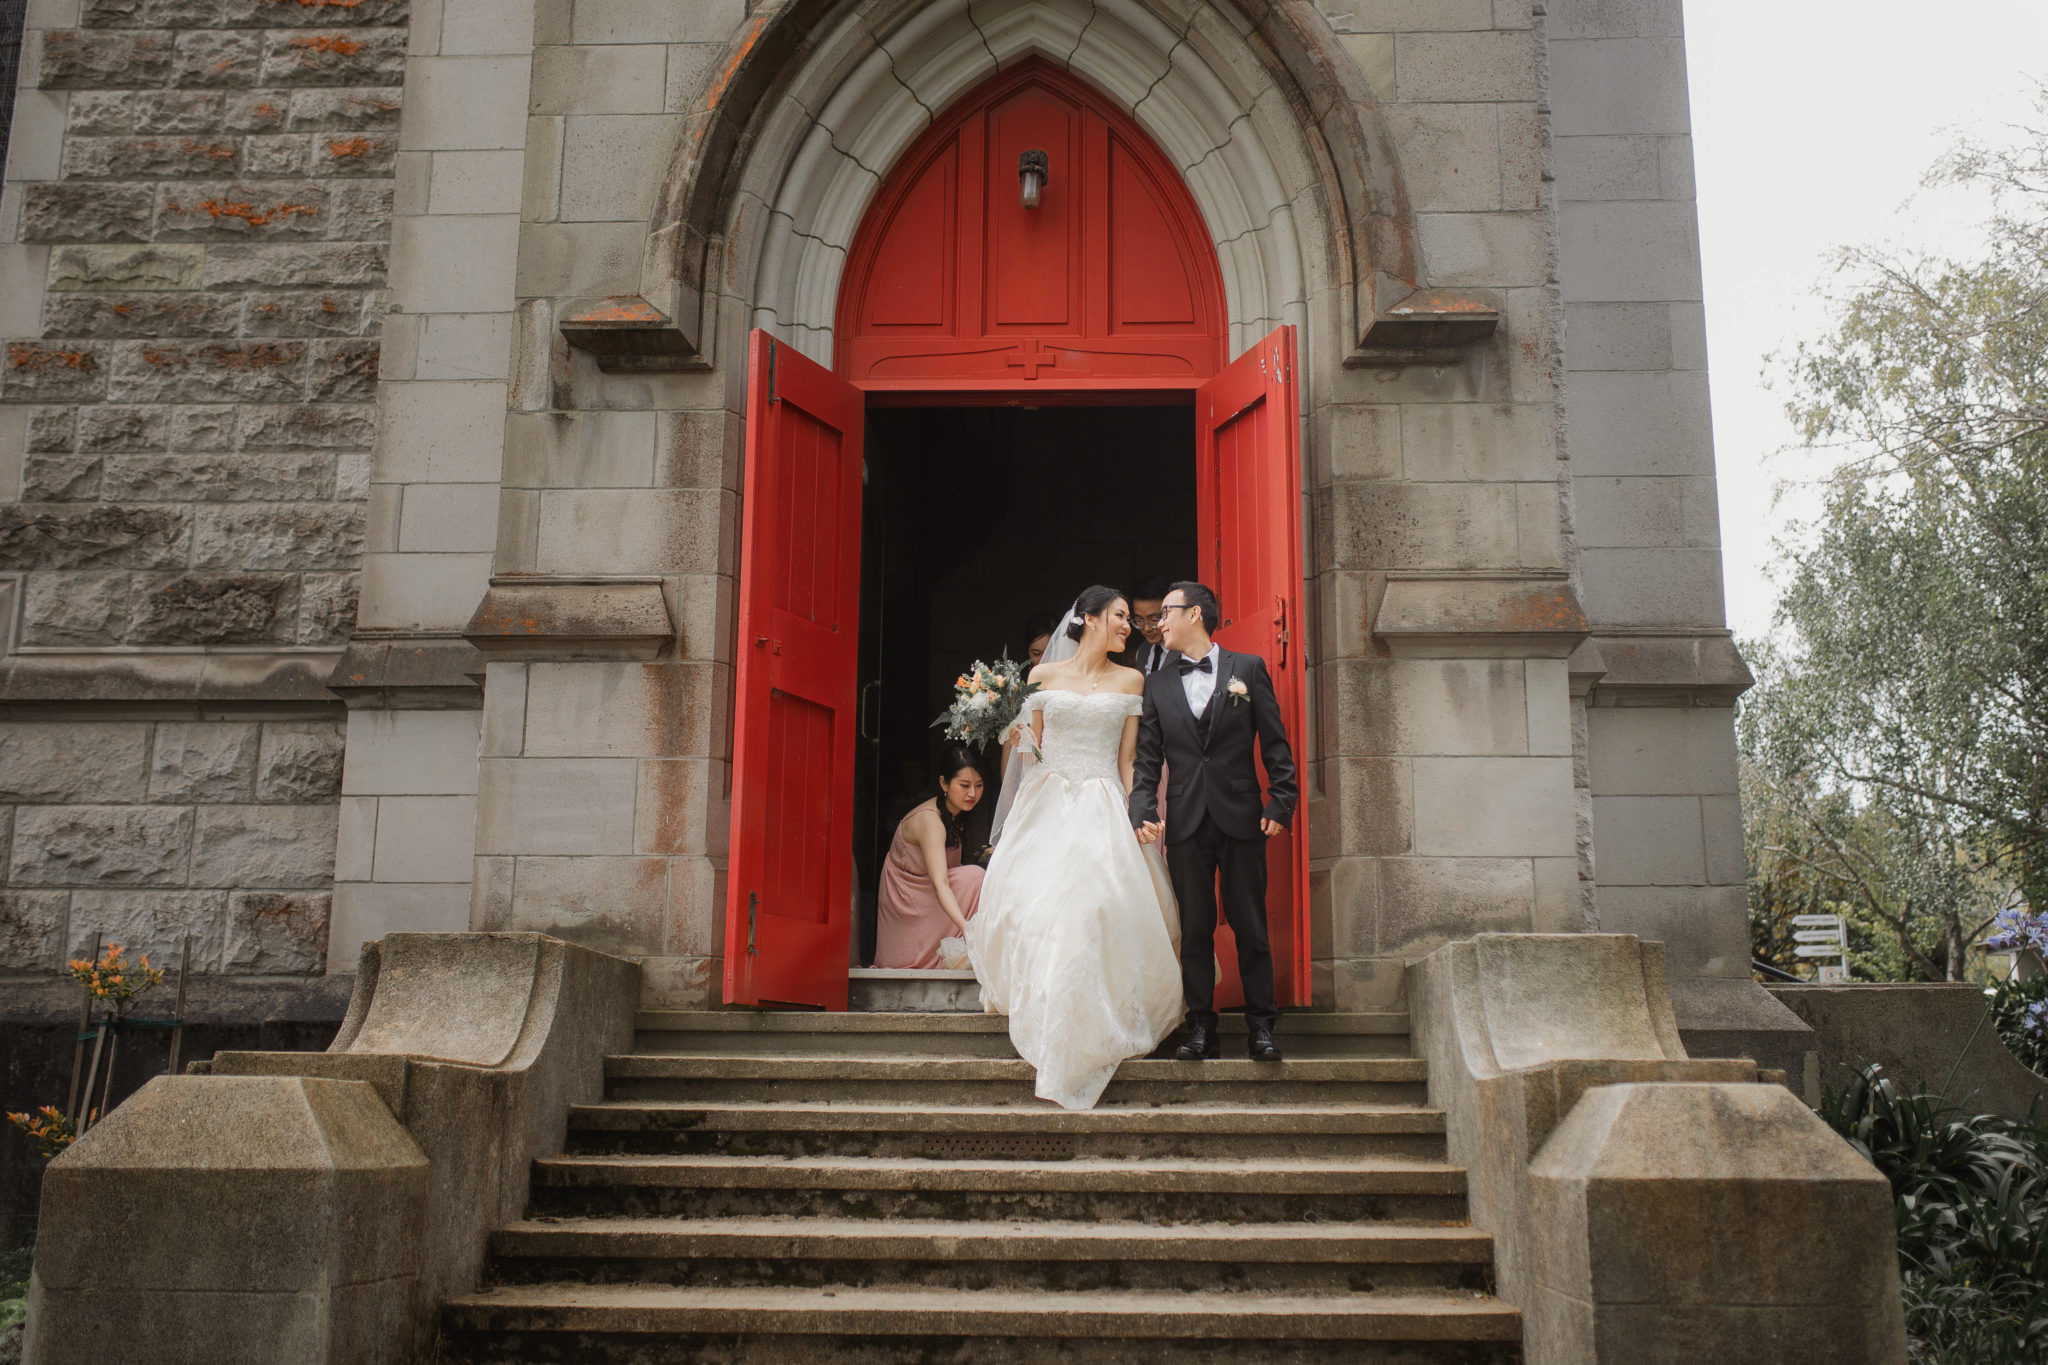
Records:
x=372, y=432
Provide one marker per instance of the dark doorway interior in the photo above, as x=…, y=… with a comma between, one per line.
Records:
x=973, y=520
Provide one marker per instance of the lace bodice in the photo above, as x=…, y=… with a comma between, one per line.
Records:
x=1082, y=731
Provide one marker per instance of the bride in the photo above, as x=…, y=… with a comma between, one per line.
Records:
x=1076, y=937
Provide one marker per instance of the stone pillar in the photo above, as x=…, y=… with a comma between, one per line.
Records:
x=1659, y=724
x=604, y=776
x=404, y=859
x=1693, y=1222
x=259, y=1218
x=1645, y=1204
x=1446, y=577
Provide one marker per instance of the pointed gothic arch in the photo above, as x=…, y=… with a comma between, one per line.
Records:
x=1109, y=282
x=1265, y=117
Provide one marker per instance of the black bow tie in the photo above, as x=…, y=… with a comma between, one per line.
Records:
x=1206, y=666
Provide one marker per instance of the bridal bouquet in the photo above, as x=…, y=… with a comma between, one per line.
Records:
x=987, y=701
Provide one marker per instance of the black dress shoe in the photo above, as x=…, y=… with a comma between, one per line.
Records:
x=1200, y=1046
x=1261, y=1046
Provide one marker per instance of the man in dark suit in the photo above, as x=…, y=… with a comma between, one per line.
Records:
x=1146, y=651
x=1203, y=717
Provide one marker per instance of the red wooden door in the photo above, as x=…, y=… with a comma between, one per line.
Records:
x=1248, y=472
x=1110, y=283
x=789, y=881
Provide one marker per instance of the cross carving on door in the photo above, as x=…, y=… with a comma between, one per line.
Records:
x=1033, y=357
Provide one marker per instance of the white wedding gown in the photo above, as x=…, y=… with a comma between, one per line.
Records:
x=1077, y=936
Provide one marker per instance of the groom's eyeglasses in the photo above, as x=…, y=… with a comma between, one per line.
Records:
x=1173, y=606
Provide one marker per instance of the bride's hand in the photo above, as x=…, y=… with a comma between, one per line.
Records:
x=1021, y=739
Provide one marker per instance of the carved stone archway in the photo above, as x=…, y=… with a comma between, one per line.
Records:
x=1266, y=118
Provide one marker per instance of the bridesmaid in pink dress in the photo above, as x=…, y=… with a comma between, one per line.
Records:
x=926, y=894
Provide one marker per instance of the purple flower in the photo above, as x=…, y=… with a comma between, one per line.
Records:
x=2035, y=1018
x=2013, y=929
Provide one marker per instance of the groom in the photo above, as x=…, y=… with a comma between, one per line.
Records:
x=1203, y=713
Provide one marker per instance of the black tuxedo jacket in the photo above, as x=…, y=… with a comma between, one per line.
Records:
x=1133, y=657
x=1209, y=760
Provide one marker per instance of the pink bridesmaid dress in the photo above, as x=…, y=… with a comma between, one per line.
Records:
x=910, y=924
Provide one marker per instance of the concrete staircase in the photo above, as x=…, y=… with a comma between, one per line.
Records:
x=882, y=1187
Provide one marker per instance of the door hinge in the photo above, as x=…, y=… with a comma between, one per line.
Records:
x=753, y=911
x=773, y=348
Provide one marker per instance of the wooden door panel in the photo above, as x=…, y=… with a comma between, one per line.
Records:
x=1111, y=282
x=1248, y=424
x=1032, y=262
x=789, y=876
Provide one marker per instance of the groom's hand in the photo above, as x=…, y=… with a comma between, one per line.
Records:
x=1269, y=828
x=1150, y=831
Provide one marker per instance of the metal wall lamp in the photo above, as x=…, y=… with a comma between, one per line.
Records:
x=1034, y=171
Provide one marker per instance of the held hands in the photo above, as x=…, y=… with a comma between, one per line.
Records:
x=1151, y=831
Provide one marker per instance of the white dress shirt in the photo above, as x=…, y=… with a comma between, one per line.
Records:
x=1201, y=686
x=1150, y=657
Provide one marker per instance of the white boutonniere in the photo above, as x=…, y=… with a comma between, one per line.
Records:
x=1238, y=691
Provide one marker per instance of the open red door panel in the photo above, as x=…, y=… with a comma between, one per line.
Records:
x=1248, y=471
x=789, y=882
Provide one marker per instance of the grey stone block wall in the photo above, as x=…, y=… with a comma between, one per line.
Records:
x=208, y=192
x=146, y=831
x=194, y=242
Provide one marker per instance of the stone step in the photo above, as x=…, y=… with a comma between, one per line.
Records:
x=651, y=1324
x=818, y=1032
x=893, y=989
x=976, y=1256
x=980, y=1081
x=1014, y=1132
x=1162, y=1192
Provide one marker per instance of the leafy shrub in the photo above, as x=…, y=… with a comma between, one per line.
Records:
x=1970, y=1205
x=2019, y=1011
x=14, y=1268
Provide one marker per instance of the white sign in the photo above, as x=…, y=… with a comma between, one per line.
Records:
x=1817, y=936
x=1833, y=974
x=1817, y=921
x=1818, y=950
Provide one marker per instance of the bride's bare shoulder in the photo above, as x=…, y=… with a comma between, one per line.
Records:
x=1129, y=681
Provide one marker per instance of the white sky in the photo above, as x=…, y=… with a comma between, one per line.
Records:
x=1813, y=122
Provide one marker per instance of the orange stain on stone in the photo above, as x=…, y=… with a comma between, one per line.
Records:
x=38, y=358
x=329, y=42
x=354, y=146
x=250, y=214
x=621, y=308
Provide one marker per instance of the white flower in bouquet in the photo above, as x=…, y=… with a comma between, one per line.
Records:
x=987, y=702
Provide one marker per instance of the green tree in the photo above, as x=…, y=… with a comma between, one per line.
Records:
x=1816, y=845
x=1902, y=729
